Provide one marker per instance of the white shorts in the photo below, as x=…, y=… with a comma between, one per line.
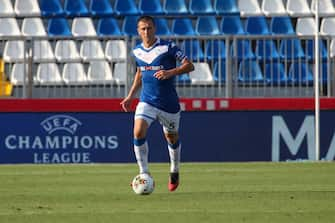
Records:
x=169, y=121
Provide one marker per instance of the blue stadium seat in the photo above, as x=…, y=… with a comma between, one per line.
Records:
x=215, y=50
x=291, y=49
x=281, y=25
x=207, y=25
x=125, y=8
x=183, y=79
x=59, y=27
x=150, y=7
x=101, y=8
x=193, y=50
x=108, y=26
x=220, y=71
x=266, y=49
x=256, y=25
x=243, y=50
x=226, y=7
x=129, y=25
x=309, y=48
x=232, y=25
x=323, y=69
x=162, y=27
x=300, y=74
x=175, y=7
x=51, y=8
x=75, y=8
x=201, y=7
x=249, y=71
x=275, y=74
x=182, y=26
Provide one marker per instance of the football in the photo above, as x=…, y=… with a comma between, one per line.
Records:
x=143, y=184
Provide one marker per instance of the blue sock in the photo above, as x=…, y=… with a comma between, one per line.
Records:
x=175, y=145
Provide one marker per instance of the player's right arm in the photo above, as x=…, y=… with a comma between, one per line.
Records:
x=126, y=102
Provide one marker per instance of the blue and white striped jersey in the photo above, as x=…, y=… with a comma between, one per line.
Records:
x=162, y=55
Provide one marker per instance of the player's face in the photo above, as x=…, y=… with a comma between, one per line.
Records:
x=146, y=31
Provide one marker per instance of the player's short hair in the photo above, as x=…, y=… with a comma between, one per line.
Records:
x=146, y=18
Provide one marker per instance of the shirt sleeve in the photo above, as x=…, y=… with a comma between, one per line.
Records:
x=176, y=52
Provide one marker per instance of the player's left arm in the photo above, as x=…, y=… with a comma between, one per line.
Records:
x=185, y=67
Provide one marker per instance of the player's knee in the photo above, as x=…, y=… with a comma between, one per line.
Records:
x=172, y=138
x=140, y=129
x=139, y=135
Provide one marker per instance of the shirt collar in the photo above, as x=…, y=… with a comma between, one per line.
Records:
x=153, y=45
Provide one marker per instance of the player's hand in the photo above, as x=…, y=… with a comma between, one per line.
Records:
x=125, y=104
x=162, y=75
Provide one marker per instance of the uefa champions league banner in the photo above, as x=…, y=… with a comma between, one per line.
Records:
x=205, y=136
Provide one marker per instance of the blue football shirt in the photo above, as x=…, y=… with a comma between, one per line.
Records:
x=163, y=55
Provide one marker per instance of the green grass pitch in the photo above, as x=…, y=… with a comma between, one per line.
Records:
x=209, y=192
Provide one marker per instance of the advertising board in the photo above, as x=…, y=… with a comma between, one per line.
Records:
x=101, y=137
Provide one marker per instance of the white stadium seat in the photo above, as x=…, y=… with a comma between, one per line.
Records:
x=202, y=74
x=83, y=27
x=91, y=50
x=327, y=26
x=74, y=74
x=332, y=48
x=249, y=8
x=43, y=51
x=14, y=51
x=27, y=8
x=6, y=8
x=17, y=76
x=99, y=72
x=66, y=51
x=298, y=8
x=306, y=26
x=116, y=50
x=48, y=74
x=33, y=27
x=9, y=27
x=120, y=73
x=326, y=7
x=272, y=8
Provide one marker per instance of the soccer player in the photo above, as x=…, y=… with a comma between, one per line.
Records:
x=155, y=75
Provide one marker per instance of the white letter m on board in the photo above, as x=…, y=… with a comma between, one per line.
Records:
x=280, y=130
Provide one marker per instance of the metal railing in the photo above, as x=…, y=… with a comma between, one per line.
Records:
x=226, y=66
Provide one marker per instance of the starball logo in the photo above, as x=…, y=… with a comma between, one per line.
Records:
x=64, y=141
x=61, y=122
